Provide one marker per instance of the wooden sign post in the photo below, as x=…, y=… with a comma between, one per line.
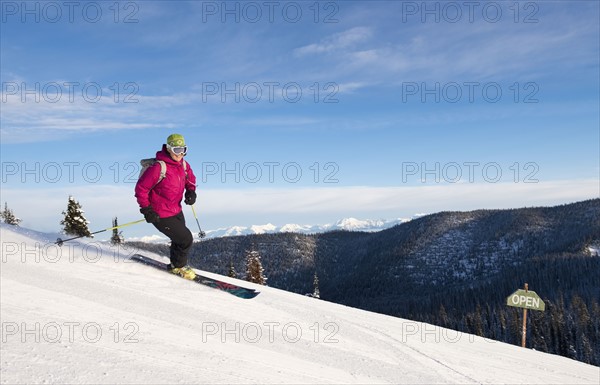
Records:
x=525, y=299
x=524, y=328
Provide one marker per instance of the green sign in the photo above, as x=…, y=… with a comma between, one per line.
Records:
x=526, y=299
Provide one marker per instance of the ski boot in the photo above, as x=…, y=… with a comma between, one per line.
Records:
x=184, y=272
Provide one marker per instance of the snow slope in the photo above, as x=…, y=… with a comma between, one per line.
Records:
x=83, y=314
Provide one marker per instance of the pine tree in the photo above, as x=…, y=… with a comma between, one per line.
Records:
x=231, y=272
x=254, y=269
x=316, y=292
x=8, y=216
x=117, y=236
x=74, y=223
x=443, y=316
x=584, y=329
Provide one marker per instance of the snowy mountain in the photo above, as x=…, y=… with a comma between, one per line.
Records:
x=350, y=224
x=83, y=313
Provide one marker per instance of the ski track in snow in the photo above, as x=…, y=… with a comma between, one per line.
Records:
x=160, y=329
x=437, y=361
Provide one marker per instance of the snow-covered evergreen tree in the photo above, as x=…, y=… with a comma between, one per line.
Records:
x=254, y=269
x=8, y=216
x=74, y=223
x=231, y=271
x=117, y=236
x=316, y=292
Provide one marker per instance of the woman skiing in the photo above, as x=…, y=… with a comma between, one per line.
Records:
x=159, y=191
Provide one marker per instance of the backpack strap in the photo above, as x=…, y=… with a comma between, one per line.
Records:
x=185, y=166
x=163, y=170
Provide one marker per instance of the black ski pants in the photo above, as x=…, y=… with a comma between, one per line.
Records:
x=181, y=238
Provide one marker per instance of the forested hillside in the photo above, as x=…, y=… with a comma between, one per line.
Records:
x=453, y=269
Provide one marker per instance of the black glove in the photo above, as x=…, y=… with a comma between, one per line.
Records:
x=190, y=197
x=150, y=215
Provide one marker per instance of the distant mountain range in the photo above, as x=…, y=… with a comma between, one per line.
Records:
x=349, y=224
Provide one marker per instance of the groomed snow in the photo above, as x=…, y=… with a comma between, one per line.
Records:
x=83, y=314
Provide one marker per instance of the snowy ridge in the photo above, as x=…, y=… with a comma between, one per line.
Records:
x=350, y=224
x=84, y=314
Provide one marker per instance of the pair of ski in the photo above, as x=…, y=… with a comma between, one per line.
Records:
x=238, y=291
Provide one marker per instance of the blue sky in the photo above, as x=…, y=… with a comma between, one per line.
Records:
x=300, y=112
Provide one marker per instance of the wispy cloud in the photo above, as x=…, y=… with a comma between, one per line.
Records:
x=50, y=113
x=337, y=42
x=430, y=198
x=469, y=51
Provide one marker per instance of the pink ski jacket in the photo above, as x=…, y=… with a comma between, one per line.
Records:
x=164, y=197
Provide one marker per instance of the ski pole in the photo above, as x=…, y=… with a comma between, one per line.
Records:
x=201, y=234
x=60, y=242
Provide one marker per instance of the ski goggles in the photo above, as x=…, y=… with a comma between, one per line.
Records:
x=178, y=150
